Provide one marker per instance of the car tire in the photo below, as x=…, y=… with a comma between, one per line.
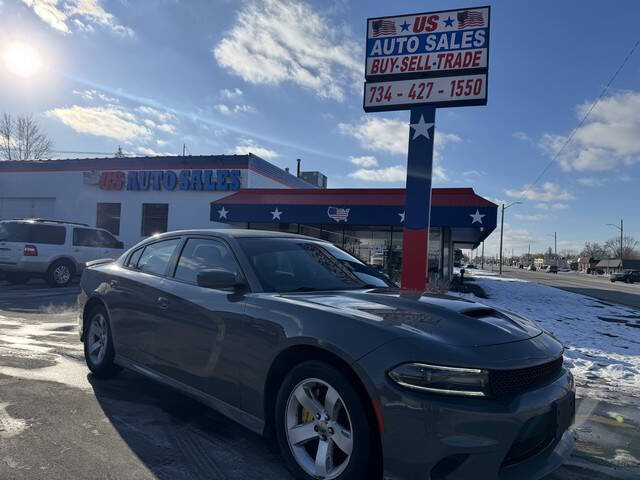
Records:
x=59, y=273
x=98, y=344
x=17, y=278
x=337, y=432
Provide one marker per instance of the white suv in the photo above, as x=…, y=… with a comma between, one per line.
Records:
x=51, y=249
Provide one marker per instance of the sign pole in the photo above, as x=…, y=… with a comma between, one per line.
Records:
x=415, y=237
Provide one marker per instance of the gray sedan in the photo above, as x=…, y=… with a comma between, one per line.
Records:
x=296, y=339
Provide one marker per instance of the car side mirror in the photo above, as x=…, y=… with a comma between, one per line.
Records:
x=217, y=278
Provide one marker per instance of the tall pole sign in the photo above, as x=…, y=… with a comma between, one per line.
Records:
x=421, y=62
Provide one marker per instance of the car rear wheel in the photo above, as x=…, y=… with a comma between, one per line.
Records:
x=98, y=345
x=59, y=273
x=321, y=425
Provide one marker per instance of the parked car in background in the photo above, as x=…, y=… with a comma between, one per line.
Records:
x=532, y=268
x=471, y=266
x=51, y=249
x=627, y=276
x=520, y=266
x=552, y=269
x=293, y=338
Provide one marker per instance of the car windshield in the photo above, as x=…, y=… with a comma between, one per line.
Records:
x=295, y=265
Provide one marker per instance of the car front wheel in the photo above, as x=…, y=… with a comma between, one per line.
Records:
x=98, y=345
x=321, y=425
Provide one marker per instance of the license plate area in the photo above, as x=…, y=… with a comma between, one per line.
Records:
x=565, y=413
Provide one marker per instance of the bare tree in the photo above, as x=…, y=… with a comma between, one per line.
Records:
x=629, y=247
x=594, y=250
x=22, y=139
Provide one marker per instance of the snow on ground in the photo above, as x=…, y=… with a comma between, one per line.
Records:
x=602, y=340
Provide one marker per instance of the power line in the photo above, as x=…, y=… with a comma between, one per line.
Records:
x=586, y=115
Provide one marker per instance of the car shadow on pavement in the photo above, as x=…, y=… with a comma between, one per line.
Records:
x=177, y=437
x=614, y=296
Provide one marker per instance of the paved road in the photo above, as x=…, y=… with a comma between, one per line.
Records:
x=58, y=422
x=592, y=285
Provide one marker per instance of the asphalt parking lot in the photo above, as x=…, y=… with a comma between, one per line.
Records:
x=59, y=422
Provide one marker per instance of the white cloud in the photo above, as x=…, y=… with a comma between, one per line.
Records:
x=549, y=192
x=366, y=161
x=531, y=218
x=608, y=139
x=396, y=173
x=110, y=121
x=151, y=152
x=226, y=110
x=161, y=143
x=234, y=93
x=249, y=146
x=276, y=41
x=589, y=182
x=470, y=174
x=552, y=206
x=163, y=117
x=522, y=136
x=166, y=128
x=392, y=136
x=83, y=14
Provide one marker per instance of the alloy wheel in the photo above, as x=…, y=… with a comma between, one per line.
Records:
x=319, y=429
x=61, y=274
x=97, y=339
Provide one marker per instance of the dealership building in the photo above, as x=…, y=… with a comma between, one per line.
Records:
x=137, y=197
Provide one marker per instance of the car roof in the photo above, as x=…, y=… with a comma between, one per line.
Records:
x=238, y=233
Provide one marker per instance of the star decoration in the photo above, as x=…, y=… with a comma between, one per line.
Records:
x=421, y=128
x=476, y=217
x=401, y=217
x=448, y=22
x=276, y=214
x=223, y=213
x=405, y=26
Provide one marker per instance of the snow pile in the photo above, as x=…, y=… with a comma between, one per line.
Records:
x=602, y=340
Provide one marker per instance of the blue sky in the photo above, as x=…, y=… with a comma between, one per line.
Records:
x=283, y=79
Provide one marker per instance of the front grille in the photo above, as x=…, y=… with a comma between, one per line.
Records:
x=505, y=382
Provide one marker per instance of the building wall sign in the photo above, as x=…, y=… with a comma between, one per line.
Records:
x=194, y=180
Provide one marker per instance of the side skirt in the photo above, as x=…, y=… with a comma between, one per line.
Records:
x=245, y=419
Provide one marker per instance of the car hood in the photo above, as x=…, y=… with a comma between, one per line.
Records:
x=441, y=318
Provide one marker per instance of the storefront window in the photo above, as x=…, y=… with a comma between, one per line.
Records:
x=154, y=218
x=108, y=217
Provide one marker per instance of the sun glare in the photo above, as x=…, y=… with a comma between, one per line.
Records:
x=21, y=59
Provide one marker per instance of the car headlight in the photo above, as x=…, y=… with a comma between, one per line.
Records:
x=470, y=382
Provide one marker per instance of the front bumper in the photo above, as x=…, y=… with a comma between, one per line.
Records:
x=445, y=437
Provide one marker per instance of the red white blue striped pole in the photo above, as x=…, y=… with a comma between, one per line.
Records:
x=415, y=238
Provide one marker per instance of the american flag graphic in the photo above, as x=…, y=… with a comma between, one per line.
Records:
x=338, y=214
x=383, y=27
x=470, y=19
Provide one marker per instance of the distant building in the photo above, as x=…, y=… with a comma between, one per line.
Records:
x=613, y=265
x=538, y=262
x=586, y=264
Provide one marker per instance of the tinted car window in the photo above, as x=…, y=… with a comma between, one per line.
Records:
x=89, y=237
x=32, y=233
x=289, y=265
x=133, y=259
x=200, y=253
x=156, y=257
x=365, y=273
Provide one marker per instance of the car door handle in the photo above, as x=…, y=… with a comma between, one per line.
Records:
x=163, y=302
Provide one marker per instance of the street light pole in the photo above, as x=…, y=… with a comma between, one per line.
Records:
x=502, y=229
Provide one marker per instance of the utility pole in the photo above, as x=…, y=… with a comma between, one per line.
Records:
x=555, y=242
x=482, y=263
x=621, y=228
x=502, y=229
x=184, y=146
